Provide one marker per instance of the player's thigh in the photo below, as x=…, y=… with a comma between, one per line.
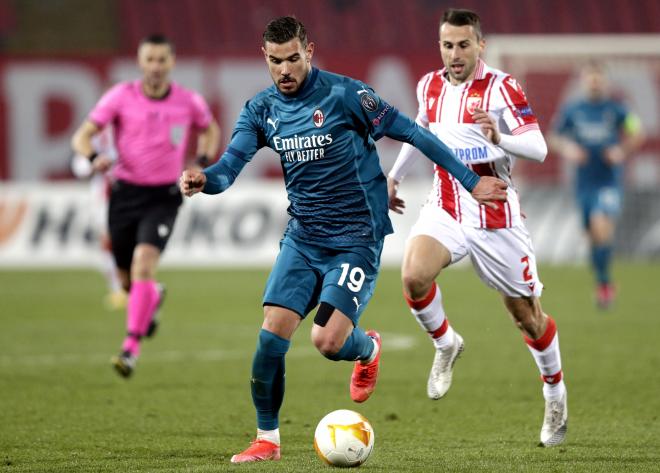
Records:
x=605, y=213
x=585, y=201
x=157, y=222
x=123, y=221
x=505, y=260
x=435, y=241
x=349, y=278
x=293, y=282
x=123, y=239
x=609, y=201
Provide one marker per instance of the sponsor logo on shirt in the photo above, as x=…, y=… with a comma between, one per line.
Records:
x=471, y=154
x=302, y=148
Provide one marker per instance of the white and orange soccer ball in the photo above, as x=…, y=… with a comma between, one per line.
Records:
x=344, y=438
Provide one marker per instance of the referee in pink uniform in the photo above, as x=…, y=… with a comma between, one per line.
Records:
x=154, y=121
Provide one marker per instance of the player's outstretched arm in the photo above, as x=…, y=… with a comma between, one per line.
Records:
x=404, y=129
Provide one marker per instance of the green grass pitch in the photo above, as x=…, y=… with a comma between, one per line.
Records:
x=188, y=407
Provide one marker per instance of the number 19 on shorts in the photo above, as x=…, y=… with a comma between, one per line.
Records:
x=355, y=276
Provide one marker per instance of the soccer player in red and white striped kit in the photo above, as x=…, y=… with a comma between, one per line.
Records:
x=483, y=115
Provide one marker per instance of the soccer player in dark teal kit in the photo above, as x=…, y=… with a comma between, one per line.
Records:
x=597, y=133
x=324, y=127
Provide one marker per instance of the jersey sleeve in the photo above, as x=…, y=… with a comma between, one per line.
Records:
x=246, y=139
x=422, y=115
x=367, y=110
x=404, y=129
x=201, y=113
x=563, y=121
x=518, y=114
x=106, y=108
x=621, y=113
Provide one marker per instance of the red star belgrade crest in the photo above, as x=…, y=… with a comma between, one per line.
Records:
x=473, y=102
x=319, y=118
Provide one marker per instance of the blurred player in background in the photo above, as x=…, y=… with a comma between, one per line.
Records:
x=596, y=134
x=324, y=127
x=99, y=186
x=154, y=120
x=483, y=115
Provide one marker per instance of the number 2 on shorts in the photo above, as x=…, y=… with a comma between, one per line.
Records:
x=355, y=277
x=527, y=276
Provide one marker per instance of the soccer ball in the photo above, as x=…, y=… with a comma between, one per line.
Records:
x=344, y=438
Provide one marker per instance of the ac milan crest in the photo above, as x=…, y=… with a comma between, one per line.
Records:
x=318, y=118
x=473, y=102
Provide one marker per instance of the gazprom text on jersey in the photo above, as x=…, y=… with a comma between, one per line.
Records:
x=471, y=154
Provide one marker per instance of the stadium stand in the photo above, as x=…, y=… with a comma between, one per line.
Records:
x=220, y=27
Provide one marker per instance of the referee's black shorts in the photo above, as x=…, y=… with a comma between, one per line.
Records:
x=141, y=214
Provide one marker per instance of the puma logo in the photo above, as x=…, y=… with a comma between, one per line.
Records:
x=357, y=304
x=273, y=123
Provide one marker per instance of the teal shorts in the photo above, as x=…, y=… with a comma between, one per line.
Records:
x=605, y=200
x=306, y=274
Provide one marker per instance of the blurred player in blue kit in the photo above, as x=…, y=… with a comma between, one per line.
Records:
x=597, y=133
x=324, y=127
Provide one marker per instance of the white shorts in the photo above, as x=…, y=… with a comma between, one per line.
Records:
x=503, y=258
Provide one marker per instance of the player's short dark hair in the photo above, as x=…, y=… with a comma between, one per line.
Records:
x=157, y=38
x=462, y=17
x=284, y=29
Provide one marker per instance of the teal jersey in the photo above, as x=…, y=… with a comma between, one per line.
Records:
x=595, y=125
x=325, y=135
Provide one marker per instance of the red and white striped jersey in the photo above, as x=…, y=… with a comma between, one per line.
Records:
x=446, y=110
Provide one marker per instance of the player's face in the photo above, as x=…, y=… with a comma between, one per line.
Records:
x=460, y=49
x=156, y=62
x=595, y=83
x=288, y=63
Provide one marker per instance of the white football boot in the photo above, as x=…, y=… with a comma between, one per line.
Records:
x=555, y=422
x=443, y=367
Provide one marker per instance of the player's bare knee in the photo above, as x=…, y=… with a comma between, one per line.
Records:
x=416, y=285
x=325, y=342
x=327, y=346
